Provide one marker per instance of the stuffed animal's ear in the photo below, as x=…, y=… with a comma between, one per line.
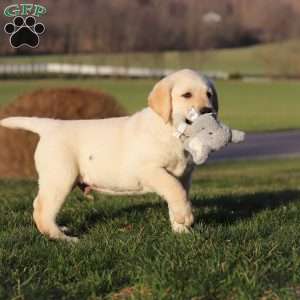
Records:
x=237, y=136
x=199, y=151
x=160, y=99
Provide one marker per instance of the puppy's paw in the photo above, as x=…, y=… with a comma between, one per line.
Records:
x=64, y=229
x=182, y=215
x=72, y=239
x=62, y=234
x=180, y=228
x=181, y=220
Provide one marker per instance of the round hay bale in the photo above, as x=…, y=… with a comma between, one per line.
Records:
x=17, y=146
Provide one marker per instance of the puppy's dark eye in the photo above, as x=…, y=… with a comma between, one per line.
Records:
x=187, y=95
x=209, y=94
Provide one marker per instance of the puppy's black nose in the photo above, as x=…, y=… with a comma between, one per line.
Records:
x=205, y=110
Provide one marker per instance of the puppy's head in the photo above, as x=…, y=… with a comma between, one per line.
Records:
x=173, y=96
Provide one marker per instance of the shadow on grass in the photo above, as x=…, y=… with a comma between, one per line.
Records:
x=232, y=208
x=219, y=210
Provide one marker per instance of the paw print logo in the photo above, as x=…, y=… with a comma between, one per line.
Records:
x=24, y=32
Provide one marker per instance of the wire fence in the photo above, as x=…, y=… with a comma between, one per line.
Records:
x=73, y=70
x=65, y=70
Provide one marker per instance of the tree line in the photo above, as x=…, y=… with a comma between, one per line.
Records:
x=74, y=26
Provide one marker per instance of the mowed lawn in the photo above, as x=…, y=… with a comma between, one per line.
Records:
x=244, y=245
x=251, y=106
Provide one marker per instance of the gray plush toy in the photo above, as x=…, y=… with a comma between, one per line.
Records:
x=206, y=134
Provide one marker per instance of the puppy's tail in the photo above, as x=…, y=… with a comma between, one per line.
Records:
x=37, y=125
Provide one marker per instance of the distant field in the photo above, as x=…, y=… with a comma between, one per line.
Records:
x=274, y=58
x=244, y=245
x=252, y=106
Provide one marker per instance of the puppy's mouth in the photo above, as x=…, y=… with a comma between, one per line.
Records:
x=187, y=121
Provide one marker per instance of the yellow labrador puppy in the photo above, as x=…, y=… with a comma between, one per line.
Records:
x=127, y=155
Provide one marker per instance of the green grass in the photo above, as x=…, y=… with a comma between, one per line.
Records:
x=244, y=245
x=251, y=106
x=268, y=58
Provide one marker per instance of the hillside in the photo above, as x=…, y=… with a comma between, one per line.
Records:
x=274, y=58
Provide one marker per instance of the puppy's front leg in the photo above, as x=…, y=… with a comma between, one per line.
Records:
x=169, y=187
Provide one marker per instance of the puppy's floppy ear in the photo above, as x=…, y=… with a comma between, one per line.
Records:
x=160, y=99
x=214, y=99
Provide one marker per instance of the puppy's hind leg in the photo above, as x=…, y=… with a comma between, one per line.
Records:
x=46, y=207
x=55, y=183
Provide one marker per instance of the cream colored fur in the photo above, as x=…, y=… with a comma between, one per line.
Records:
x=128, y=155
